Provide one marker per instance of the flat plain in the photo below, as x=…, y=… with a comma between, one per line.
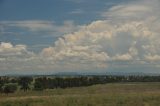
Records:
x=111, y=94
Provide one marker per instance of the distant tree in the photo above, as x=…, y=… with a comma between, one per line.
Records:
x=25, y=82
x=9, y=88
x=38, y=84
x=1, y=89
x=1, y=84
x=14, y=80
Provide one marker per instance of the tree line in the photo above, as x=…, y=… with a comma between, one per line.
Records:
x=12, y=84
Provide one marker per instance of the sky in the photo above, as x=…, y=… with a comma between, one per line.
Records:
x=83, y=36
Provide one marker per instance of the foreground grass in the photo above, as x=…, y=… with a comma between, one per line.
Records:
x=117, y=94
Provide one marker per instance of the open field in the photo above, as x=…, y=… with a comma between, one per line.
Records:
x=114, y=94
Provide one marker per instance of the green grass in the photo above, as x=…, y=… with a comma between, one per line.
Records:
x=115, y=94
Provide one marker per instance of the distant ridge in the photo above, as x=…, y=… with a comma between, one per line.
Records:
x=87, y=74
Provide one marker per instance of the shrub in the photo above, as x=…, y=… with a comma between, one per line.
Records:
x=9, y=88
x=38, y=85
x=24, y=82
x=1, y=90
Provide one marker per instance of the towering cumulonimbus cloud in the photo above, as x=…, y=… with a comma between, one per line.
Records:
x=130, y=33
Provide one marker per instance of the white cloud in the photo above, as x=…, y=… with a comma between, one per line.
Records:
x=124, y=57
x=133, y=10
x=40, y=26
x=7, y=49
x=152, y=58
x=13, y=57
x=67, y=27
x=110, y=40
x=131, y=35
x=101, y=41
x=77, y=11
x=126, y=11
x=32, y=25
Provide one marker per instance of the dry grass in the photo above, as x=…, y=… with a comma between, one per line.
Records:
x=117, y=94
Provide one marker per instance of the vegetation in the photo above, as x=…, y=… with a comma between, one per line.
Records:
x=51, y=82
x=9, y=88
x=40, y=84
x=24, y=82
x=80, y=91
x=112, y=94
x=1, y=89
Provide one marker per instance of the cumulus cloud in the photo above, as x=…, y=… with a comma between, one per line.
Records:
x=106, y=40
x=123, y=57
x=10, y=52
x=152, y=58
x=14, y=57
x=131, y=35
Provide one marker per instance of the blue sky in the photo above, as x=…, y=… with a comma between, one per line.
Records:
x=79, y=35
x=59, y=11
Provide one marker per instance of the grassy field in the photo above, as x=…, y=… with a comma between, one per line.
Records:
x=115, y=94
